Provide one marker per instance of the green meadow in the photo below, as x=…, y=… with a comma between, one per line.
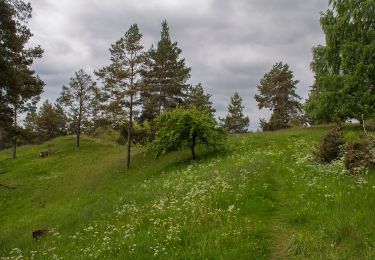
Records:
x=262, y=197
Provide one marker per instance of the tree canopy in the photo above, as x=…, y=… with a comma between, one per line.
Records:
x=235, y=121
x=344, y=67
x=164, y=76
x=278, y=93
x=197, y=98
x=185, y=128
x=20, y=88
x=122, y=77
x=76, y=97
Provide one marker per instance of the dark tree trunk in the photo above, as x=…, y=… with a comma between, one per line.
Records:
x=130, y=131
x=15, y=133
x=192, y=147
x=78, y=134
x=78, y=130
x=79, y=117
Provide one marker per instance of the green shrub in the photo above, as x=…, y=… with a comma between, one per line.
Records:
x=185, y=128
x=360, y=156
x=141, y=134
x=106, y=133
x=329, y=148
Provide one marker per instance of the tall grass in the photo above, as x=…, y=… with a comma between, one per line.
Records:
x=262, y=198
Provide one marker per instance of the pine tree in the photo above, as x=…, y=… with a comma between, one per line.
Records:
x=197, y=98
x=164, y=77
x=50, y=121
x=235, y=121
x=278, y=93
x=20, y=88
x=76, y=97
x=121, y=78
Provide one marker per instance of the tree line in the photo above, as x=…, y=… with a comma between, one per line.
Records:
x=138, y=85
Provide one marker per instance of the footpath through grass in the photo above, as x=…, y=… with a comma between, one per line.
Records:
x=262, y=199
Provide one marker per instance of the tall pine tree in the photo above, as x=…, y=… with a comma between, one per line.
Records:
x=20, y=88
x=164, y=77
x=235, y=121
x=278, y=93
x=76, y=97
x=122, y=77
x=198, y=99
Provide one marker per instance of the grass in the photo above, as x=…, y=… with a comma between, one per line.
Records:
x=263, y=198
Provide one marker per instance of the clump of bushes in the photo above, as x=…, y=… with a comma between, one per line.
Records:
x=360, y=156
x=141, y=134
x=329, y=148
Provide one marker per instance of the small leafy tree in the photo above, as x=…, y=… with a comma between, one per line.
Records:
x=77, y=97
x=185, y=128
x=235, y=121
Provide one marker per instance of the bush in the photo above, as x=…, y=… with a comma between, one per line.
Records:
x=276, y=123
x=370, y=124
x=186, y=128
x=329, y=148
x=141, y=134
x=106, y=133
x=360, y=156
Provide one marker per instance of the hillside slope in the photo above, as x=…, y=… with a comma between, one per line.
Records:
x=262, y=198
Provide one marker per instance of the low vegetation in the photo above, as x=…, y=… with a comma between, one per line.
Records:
x=263, y=197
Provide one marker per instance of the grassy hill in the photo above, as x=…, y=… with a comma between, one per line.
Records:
x=262, y=198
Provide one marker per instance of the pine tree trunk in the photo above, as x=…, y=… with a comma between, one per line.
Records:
x=79, y=117
x=130, y=131
x=79, y=128
x=193, y=148
x=15, y=134
x=78, y=132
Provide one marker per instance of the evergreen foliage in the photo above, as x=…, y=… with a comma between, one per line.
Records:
x=20, y=88
x=48, y=123
x=122, y=77
x=164, y=77
x=197, y=98
x=77, y=97
x=329, y=148
x=235, y=121
x=278, y=93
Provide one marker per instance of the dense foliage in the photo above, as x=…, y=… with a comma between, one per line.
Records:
x=344, y=67
x=197, y=98
x=330, y=146
x=186, y=128
x=235, y=121
x=164, y=75
x=20, y=88
x=359, y=156
x=48, y=123
x=278, y=93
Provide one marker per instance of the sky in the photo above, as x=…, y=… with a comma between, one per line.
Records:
x=229, y=45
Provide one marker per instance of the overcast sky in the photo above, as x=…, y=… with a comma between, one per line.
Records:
x=229, y=45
